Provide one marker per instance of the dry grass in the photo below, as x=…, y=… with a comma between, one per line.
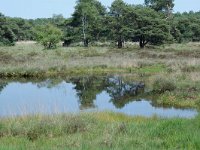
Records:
x=30, y=55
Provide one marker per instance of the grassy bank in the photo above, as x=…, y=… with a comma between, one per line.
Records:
x=99, y=131
x=30, y=59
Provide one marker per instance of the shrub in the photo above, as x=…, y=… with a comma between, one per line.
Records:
x=48, y=36
x=161, y=85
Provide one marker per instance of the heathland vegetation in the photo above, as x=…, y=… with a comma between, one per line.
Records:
x=98, y=131
x=148, y=43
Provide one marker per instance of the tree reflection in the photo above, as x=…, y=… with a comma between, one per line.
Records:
x=2, y=85
x=87, y=90
x=120, y=92
x=49, y=83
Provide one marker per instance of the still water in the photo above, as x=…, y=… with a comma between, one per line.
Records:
x=76, y=95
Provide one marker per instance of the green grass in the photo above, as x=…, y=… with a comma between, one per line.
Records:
x=179, y=99
x=99, y=131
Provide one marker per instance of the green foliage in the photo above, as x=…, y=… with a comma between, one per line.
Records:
x=7, y=37
x=87, y=18
x=116, y=22
x=160, y=5
x=22, y=29
x=161, y=85
x=188, y=24
x=149, y=26
x=48, y=36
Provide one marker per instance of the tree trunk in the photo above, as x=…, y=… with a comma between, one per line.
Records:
x=85, y=40
x=143, y=42
x=120, y=42
x=49, y=47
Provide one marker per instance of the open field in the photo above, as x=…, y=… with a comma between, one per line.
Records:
x=98, y=131
x=172, y=71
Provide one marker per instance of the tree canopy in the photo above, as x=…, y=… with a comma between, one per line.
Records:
x=87, y=19
x=48, y=35
x=148, y=26
x=7, y=36
x=153, y=23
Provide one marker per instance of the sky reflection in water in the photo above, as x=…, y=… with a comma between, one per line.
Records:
x=81, y=94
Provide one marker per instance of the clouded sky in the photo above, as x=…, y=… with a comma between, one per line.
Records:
x=46, y=8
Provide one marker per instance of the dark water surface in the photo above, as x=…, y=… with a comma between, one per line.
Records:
x=81, y=94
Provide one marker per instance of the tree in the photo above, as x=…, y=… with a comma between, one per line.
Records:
x=188, y=24
x=146, y=26
x=165, y=6
x=57, y=20
x=175, y=32
x=86, y=17
x=195, y=28
x=69, y=33
x=21, y=28
x=48, y=35
x=116, y=22
x=7, y=37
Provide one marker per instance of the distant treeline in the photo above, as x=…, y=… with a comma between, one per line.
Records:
x=152, y=23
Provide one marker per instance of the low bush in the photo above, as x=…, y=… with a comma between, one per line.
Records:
x=161, y=85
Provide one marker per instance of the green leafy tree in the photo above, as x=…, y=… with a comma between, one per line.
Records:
x=188, y=24
x=48, y=35
x=175, y=32
x=57, y=19
x=116, y=22
x=69, y=33
x=195, y=28
x=165, y=6
x=146, y=26
x=86, y=18
x=7, y=36
x=21, y=28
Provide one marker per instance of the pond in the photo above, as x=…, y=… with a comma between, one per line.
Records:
x=86, y=94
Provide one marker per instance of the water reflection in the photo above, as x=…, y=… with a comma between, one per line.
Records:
x=122, y=92
x=87, y=90
x=2, y=85
x=81, y=94
x=119, y=91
